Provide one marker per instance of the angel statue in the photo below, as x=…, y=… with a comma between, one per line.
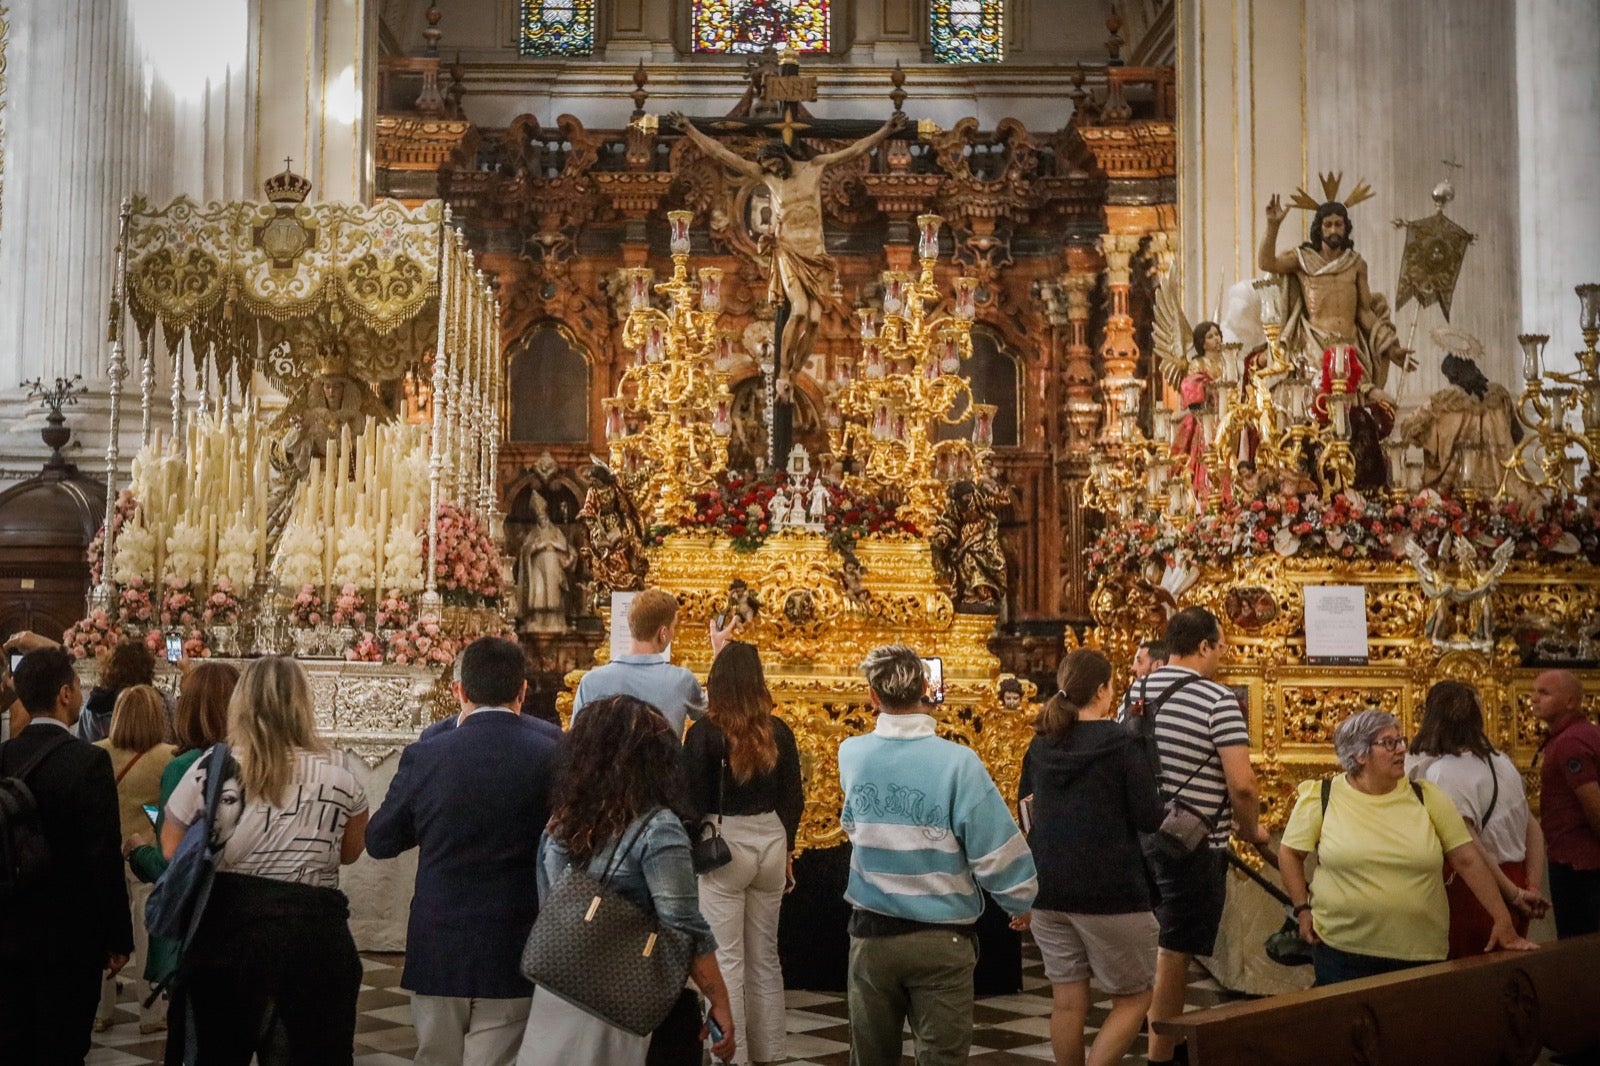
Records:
x=1467, y=589
x=966, y=547
x=1190, y=358
x=616, y=536
x=317, y=412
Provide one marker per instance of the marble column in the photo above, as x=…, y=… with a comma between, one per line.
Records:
x=1558, y=140
x=106, y=99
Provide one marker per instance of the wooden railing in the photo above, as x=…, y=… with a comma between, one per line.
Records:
x=1498, y=1009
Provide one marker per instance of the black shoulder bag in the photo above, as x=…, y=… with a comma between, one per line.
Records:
x=712, y=852
x=1184, y=829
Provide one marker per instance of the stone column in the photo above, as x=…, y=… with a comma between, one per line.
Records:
x=1082, y=410
x=104, y=100
x=1558, y=141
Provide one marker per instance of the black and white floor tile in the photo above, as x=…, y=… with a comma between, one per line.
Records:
x=1009, y=1030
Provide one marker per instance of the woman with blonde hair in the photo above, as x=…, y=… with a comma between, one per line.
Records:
x=139, y=754
x=1088, y=789
x=275, y=937
x=743, y=769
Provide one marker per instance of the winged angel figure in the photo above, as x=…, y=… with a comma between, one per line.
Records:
x=1468, y=589
x=1190, y=359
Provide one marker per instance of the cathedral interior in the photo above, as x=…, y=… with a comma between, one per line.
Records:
x=371, y=316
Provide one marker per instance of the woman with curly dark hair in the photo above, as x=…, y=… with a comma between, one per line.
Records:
x=619, y=783
x=130, y=664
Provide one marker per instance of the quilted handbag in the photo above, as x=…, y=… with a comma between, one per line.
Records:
x=712, y=852
x=605, y=954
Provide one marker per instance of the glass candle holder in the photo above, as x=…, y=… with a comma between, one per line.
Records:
x=1532, y=353
x=868, y=317
x=722, y=414
x=640, y=281
x=966, y=298
x=678, y=228
x=711, y=289
x=873, y=367
x=1588, y=307
x=983, y=425
x=950, y=356
x=1270, y=293
x=1341, y=362
x=655, y=345
x=928, y=236
x=616, y=421
x=894, y=292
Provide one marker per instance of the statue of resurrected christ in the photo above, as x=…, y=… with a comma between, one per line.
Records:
x=802, y=270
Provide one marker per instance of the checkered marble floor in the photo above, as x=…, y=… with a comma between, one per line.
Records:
x=1008, y=1030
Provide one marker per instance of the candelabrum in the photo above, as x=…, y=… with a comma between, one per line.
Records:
x=1543, y=409
x=885, y=416
x=1127, y=466
x=1336, y=463
x=677, y=388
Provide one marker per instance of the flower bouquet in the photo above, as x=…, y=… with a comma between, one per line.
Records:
x=91, y=637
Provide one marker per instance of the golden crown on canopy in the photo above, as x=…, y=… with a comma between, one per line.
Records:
x=287, y=187
x=1330, y=193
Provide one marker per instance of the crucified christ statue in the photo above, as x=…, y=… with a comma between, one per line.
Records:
x=801, y=267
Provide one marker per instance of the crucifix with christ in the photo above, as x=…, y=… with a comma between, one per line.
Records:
x=801, y=270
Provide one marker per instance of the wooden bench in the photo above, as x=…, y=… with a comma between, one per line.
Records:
x=1497, y=1009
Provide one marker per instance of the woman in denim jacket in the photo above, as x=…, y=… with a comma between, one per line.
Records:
x=621, y=766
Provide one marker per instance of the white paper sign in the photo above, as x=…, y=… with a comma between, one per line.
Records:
x=1336, y=625
x=621, y=635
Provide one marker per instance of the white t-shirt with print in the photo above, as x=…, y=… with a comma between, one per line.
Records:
x=297, y=842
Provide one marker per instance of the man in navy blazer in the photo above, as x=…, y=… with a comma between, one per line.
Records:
x=473, y=800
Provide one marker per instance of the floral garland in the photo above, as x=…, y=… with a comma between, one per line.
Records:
x=1348, y=526
x=349, y=608
x=124, y=511
x=739, y=508
x=221, y=607
x=468, y=563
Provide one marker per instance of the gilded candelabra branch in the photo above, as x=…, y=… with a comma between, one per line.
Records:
x=885, y=416
x=1543, y=408
x=675, y=386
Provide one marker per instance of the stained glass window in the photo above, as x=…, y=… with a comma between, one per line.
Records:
x=757, y=25
x=557, y=28
x=967, y=31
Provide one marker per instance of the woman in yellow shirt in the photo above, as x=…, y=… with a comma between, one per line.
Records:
x=1377, y=902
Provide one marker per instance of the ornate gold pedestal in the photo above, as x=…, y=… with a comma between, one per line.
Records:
x=813, y=637
x=1293, y=707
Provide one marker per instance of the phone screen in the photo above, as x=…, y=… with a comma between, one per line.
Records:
x=16, y=658
x=151, y=812
x=174, y=647
x=935, y=670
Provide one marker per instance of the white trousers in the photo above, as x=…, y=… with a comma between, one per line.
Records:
x=138, y=894
x=741, y=901
x=457, y=1031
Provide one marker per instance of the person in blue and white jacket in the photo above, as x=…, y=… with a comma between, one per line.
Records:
x=929, y=829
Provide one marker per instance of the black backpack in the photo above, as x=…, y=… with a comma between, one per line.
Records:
x=25, y=857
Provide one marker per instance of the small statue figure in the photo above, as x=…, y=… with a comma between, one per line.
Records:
x=966, y=548
x=543, y=562
x=1468, y=413
x=818, y=510
x=616, y=537
x=1190, y=360
x=1011, y=694
x=797, y=506
x=778, y=512
x=849, y=575
x=1468, y=588
x=743, y=606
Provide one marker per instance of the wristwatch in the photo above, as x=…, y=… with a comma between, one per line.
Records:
x=1301, y=907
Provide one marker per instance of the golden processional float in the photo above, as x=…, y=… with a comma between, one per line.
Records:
x=1471, y=543
x=328, y=492
x=890, y=537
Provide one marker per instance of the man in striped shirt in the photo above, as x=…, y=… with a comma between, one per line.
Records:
x=1203, y=743
x=928, y=828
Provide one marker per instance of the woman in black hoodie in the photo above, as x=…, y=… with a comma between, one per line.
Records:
x=1087, y=792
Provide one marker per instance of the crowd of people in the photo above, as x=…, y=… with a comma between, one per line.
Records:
x=683, y=803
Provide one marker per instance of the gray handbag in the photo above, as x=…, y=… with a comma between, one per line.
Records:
x=605, y=954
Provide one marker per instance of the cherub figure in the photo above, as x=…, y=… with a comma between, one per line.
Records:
x=1467, y=588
